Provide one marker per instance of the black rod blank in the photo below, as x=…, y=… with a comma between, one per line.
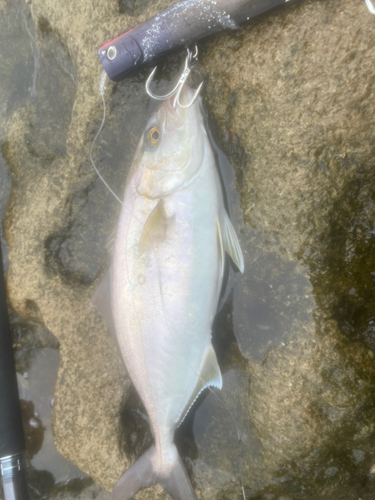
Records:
x=12, y=440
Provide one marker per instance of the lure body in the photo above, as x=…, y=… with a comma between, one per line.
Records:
x=181, y=25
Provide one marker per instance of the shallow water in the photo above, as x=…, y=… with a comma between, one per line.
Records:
x=294, y=335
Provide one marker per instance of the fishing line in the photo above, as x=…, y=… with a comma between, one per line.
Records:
x=102, y=88
x=223, y=404
x=370, y=7
x=101, y=91
x=239, y=434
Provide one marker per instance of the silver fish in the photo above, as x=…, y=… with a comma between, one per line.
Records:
x=164, y=283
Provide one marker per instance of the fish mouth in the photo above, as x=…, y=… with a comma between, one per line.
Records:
x=173, y=116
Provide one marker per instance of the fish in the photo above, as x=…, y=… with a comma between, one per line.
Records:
x=161, y=292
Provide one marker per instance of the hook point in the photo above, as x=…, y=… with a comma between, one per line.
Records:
x=181, y=82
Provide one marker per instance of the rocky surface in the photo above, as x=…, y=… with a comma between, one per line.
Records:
x=292, y=119
x=291, y=101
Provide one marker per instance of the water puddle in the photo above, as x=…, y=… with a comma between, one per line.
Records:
x=50, y=475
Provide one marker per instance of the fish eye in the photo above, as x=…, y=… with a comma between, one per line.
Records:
x=153, y=136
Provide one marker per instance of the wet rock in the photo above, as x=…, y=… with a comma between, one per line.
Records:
x=132, y=7
x=290, y=101
x=291, y=119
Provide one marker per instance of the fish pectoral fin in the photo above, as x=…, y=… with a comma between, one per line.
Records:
x=231, y=244
x=101, y=300
x=209, y=376
x=154, y=230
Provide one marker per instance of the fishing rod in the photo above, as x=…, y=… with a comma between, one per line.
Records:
x=179, y=26
x=12, y=440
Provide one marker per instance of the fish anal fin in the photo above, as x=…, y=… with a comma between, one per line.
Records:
x=209, y=376
x=231, y=243
x=101, y=300
x=154, y=230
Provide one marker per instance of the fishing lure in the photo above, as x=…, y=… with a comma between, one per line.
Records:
x=177, y=27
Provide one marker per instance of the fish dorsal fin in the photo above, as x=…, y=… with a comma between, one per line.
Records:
x=209, y=376
x=101, y=300
x=230, y=242
x=154, y=230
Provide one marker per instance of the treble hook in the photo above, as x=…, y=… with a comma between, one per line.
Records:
x=181, y=82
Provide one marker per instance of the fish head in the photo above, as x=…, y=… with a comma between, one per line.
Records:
x=171, y=151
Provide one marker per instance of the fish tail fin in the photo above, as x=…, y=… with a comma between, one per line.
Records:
x=147, y=471
x=177, y=482
x=140, y=475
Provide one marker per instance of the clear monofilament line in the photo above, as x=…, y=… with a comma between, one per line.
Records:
x=101, y=90
x=238, y=432
x=370, y=6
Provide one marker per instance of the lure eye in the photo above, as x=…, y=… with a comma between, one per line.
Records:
x=153, y=136
x=111, y=53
